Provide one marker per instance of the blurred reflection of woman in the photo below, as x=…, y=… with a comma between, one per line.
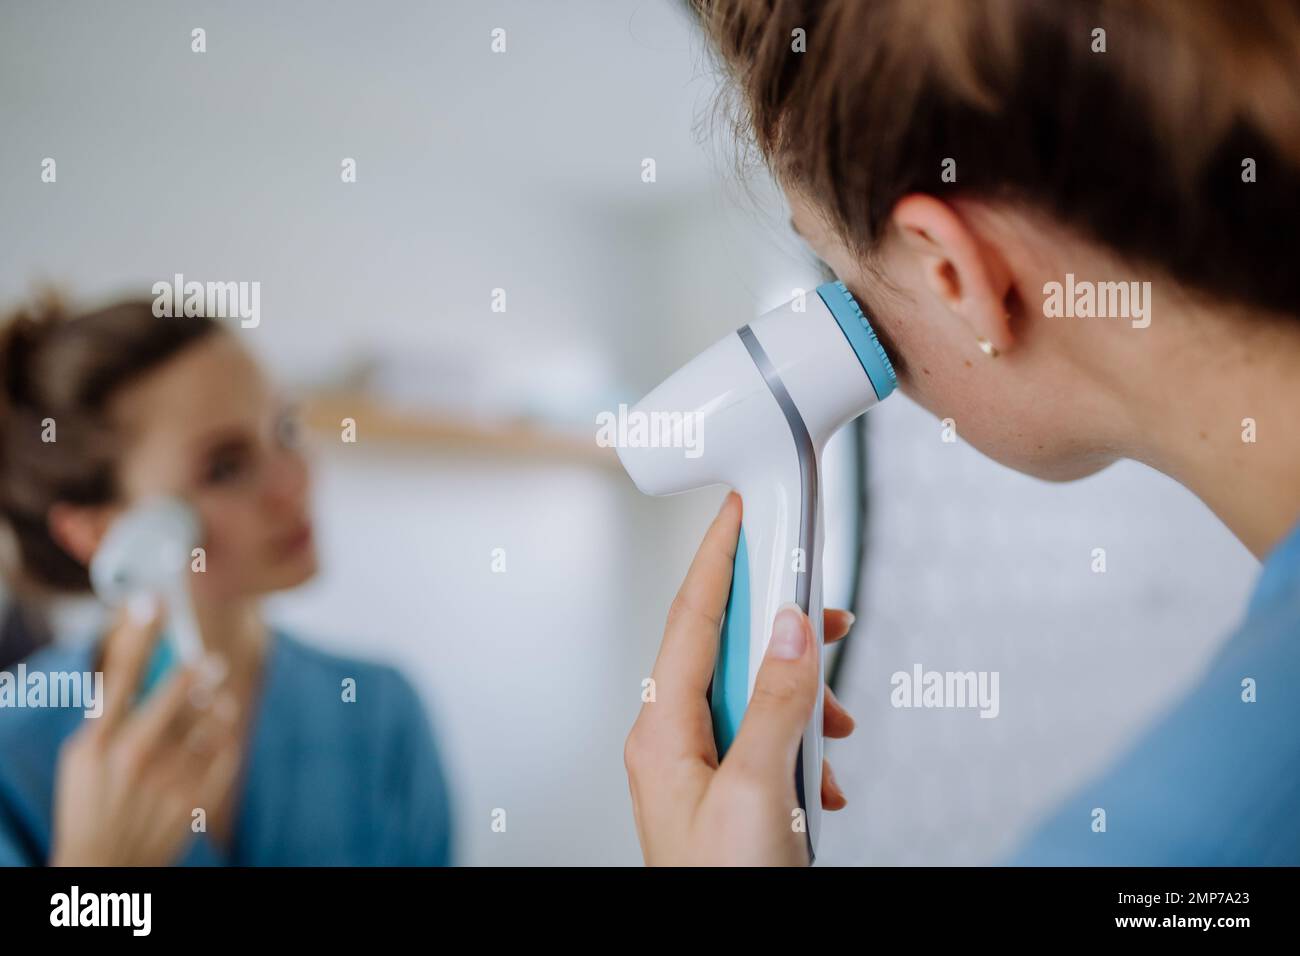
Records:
x=285, y=769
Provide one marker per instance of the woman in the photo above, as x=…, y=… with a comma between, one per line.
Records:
x=270, y=752
x=983, y=176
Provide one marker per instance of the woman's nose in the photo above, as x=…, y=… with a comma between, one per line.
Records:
x=286, y=479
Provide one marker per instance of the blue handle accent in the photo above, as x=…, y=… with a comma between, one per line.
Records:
x=731, y=674
x=163, y=661
x=862, y=337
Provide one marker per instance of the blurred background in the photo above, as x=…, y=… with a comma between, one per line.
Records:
x=522, y=171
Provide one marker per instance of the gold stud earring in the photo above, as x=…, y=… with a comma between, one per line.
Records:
x=988, y=348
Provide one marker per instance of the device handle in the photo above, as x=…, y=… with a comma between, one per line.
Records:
x=765, y=577
x=182, y=626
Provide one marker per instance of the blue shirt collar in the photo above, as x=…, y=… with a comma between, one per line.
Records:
x=1280, y=575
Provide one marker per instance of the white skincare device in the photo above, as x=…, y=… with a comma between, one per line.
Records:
x=759, y=407
x=147, y=551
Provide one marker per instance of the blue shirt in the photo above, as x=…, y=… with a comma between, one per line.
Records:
x=325, y=782
x=1216, y=781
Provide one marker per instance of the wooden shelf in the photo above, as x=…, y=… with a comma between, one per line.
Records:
x=378, y=421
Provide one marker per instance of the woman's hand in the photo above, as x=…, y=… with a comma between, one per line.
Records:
x=129, y=781
x=690, y=810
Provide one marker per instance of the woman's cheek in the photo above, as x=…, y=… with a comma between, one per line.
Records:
x=226, y=556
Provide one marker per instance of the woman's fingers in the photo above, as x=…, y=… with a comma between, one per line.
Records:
x=836, y=721
x=165, y=717
x=836, y=624
x=677, y=724
x=785, y=692
x=213, y=731
x=126, y=652
x=221, y=772
x=210, y=727
x=832, y=796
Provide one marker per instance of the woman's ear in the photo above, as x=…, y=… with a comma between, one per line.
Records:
x=78, y=529
x=965, y=273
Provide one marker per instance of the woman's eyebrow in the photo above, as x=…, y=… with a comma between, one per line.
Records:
x=220, y=439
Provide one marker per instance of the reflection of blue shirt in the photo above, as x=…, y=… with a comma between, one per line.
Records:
x=326, y=782
x=1216, y=781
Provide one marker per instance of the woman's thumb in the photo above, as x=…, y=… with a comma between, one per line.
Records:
x=785, y=692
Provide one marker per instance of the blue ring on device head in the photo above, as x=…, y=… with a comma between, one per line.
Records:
x=862, y=337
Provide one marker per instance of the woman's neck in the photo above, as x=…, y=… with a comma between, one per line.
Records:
x=1219, y=416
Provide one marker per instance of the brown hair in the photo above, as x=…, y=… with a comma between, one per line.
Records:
x=1140, y=147
x=65, y=369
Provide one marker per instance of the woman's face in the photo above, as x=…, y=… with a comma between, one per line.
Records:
x=1031, y=408
x=206, y=426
